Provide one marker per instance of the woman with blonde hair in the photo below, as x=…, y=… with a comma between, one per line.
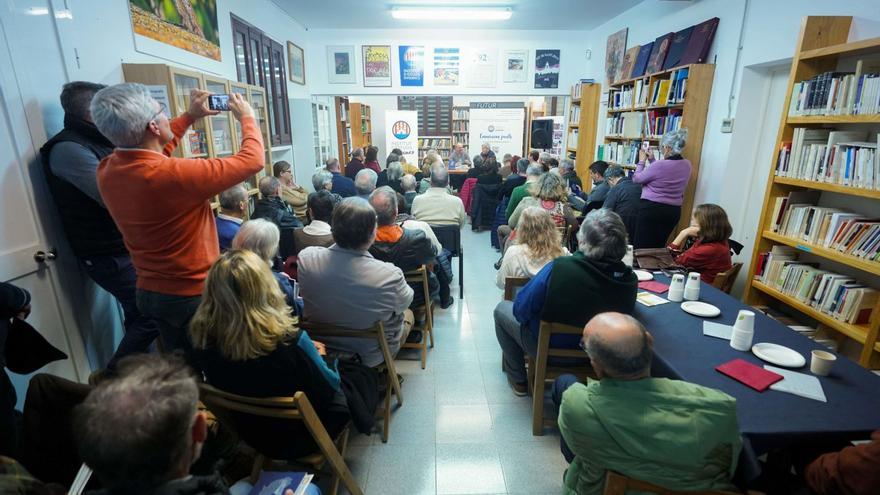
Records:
x=537, y=243
x=246, y=342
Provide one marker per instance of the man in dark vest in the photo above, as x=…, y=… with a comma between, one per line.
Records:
x=70, y=160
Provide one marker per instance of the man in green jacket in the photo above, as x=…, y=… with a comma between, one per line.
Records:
x=671, y=433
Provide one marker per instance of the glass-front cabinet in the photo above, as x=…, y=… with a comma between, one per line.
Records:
x=223, y=141
x=194, y=143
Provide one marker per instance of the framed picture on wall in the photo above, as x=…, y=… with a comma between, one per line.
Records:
x=377, y=65
x=296, y=63
x=340, y=65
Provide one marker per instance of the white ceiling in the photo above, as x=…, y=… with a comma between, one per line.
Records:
x=527, y=14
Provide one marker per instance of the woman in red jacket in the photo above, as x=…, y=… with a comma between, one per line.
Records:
x=710, y=253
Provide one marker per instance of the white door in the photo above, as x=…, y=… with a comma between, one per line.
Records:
x=22, y=224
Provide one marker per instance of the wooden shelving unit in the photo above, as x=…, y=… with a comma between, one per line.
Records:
x=580, y=133
x=692, y=106
x=343, y=130
x=460, y=126
x=822, y=42
x=443, y=145
x=361, y=125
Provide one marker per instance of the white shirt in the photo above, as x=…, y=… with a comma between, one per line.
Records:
x=317, y=227
x=436, y=206
x=231, y=219
x=429, y=233
x=518, y=262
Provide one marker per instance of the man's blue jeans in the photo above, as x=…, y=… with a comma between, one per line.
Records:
x=173, y=314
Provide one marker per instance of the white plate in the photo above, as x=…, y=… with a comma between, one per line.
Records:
x=698, y=308
x=778, y=355
x=643, y=275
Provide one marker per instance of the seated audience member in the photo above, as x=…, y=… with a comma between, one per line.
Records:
x=172, y=237
x=365, y=291
x=317, y=232
x=322, y=180
x=506, y=165
x=518, y=193
x=544, y=160
x=550, y=194
x=395, y=173
x=486, y=151
x=534, y=157
x=442, y=267
x=406, y=249
x=247, y=343
x=459, y=158
x=514, y=180
x=408, y=188
x=437, y=206
x=477, y=169
x=624, y=198
x=489, y=173
x=710, y=253
x=537, y=243
x=372, y=159
x=342, y=185
x=392, y=157
x=570, y=290
x=365, y=183
x=272, y=207
x=626, y=420
x=408, y=168
x=600, y=186
x=425, y=182
x=408, y=221
x=853, y=470
x=292, y=194
x=554, y=163
x=356, y=164
x=233, y=205
x=566, y=169
x=262, y=237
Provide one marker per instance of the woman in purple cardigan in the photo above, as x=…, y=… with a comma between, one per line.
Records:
x=663, y=184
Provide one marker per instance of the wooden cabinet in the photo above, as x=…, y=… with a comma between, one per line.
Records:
x=580, y=143
x=343, y=130
x=361, y=125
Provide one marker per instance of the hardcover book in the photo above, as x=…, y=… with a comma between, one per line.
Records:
x=679, y=43
x=642, y=60
x=629, y=61
x=658, y=53
x=701, y=40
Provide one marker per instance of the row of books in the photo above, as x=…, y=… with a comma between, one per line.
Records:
x=574, y=116
x=621, y=152
x=460, y=113
x=444, y=154
x=435, y=143
x=572, y=138
x=677, y=86
x=195, y=142
x=627, y=124
x=835, y=157
x=576, y=89
x=459, y=126
x=688, y=46
x=463, y=138
x=840, y=296
x=838, y=93
x=630, y=96
x=660, y=123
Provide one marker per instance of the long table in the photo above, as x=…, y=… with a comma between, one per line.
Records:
x=771, y=419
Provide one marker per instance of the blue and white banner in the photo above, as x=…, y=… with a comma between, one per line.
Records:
x=412, y=65
x=402, y=131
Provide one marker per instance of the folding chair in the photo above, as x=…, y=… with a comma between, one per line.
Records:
x=450, y=238
x=225, y=405
x=319, y=330
x=82, y=479
x=511, y=287
x=724, y=280
x=420, y=275
x=618, y=484
x=543, y=371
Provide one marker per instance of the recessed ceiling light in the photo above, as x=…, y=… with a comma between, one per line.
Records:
x=451, y=13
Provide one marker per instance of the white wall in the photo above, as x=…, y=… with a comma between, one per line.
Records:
x=572, y=46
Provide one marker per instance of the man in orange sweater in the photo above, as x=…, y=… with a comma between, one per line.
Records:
x=161, y=203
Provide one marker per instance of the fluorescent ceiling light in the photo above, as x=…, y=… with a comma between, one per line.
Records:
x=451, y=13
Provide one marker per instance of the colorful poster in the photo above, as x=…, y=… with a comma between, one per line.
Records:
x=412, y=65
x=498, y=124
x=482, y=70
x=447, y=66
x=546, y=69
x=516, y=63
x=402, y=131
x=614, y=51
x=340, y=65
x=377, y=65
x=190, y=25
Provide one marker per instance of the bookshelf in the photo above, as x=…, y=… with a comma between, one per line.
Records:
x=443, y=145
x=362, y=126
x=645, y=107
x=580, y=130
x=343, y=130
x=460, y=126
x=822, y=47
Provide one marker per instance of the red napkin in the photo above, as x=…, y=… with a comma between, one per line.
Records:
x=752, y=375
x=654, y=286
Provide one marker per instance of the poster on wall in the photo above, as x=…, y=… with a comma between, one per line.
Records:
x=516, y=64
x=377, y=66
x=402, y=132
x=614, y=48
x=340, y=65
x=482, y=70
x=546, y=69
x=296, y=62
x=412, y=65
x=190, y=25
x=498, y=124
x=447, y=66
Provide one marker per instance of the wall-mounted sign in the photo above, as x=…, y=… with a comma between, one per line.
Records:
x=402, y=131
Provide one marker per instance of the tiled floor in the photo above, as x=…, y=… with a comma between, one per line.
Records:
x=461, y=430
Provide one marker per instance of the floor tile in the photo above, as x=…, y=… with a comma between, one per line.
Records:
x=464, y=424
x=512, y=422
x=461, y=388
x=358, y=460
x=495, y=384
x=403, y=470
x=530, y=468
x=469, y=469
x=418, y=389
x=413, y=424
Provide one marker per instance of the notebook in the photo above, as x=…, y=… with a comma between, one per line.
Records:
x=276, y=482
x=654, y=286
x=749, y=374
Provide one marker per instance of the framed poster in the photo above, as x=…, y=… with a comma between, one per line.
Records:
x=614, y=49
x=546, y=69
x=482, y=70
x=377, y=66
x=340, y=65
x=516, y=64
x=447, y=66
x=190, y=26
x=296, y=64
x=412, y=65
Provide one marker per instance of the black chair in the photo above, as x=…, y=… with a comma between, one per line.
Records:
x=286, y=244
x=484, y=205
x=450, y=238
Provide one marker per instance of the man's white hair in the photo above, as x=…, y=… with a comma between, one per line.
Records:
x=122, y=111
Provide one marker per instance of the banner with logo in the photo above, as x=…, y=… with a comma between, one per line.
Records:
x=412, y=65
x=498, y=124
x=402, y=131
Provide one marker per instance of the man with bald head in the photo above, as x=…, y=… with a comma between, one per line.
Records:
x=671, y=433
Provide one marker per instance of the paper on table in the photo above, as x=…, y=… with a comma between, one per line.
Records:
x=798, y=384
x=649, y=299
x=717, y=330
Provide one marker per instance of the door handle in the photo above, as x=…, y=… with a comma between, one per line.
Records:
x=44, y=256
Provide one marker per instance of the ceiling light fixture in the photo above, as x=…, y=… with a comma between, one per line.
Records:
x=451, y=13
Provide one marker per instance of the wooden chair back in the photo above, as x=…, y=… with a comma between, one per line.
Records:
x=512, y=286
x=319, y=330
x=449, y=237
x=618, y=484
x=543, y=371
x=420, y=276
x=224, y=405
x=724, y=280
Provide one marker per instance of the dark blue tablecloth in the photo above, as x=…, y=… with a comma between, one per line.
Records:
x=771, y=419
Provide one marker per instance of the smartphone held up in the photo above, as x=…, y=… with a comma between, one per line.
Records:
x=219, y=102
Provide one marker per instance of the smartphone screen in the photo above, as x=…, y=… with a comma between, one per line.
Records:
x=218, y=102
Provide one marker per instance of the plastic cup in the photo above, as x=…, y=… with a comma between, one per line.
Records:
x=822, y=362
